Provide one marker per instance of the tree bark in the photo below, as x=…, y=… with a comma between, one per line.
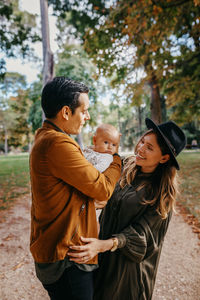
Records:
x=156, y=113
x=5, y=141
x=139, y=120
x=48, y=59
x=163, y=108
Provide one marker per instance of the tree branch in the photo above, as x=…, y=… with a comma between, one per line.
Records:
x=169, y=5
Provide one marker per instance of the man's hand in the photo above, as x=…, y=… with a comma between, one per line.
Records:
x=84, y=253
x=99, y=204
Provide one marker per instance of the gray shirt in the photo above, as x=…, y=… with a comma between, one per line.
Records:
x=49, y=273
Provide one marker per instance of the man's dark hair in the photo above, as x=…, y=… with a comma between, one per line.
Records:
x=59, y=92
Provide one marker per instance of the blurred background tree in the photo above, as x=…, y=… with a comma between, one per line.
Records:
x=14, y=111
x=148, y=48
x=139, y=58
x=18, y=30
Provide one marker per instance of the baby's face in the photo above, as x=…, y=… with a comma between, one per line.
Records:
x=106, y=142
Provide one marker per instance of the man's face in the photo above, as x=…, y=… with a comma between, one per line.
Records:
x=81, y=114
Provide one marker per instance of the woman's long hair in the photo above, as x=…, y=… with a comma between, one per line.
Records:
x=161, y=186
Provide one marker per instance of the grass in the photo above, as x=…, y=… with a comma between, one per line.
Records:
x=14, y=178
x=190, y=182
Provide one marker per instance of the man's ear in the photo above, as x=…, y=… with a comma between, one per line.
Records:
x=164, y=158
x=65, y=112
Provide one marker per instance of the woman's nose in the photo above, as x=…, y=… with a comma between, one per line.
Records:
x=141, y=148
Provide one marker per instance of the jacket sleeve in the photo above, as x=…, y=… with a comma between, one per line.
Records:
x=67, y=163
x=142, y=239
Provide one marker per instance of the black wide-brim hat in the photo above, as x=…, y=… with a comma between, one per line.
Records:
x=172, y=136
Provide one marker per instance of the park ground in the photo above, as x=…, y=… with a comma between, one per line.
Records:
x=178, y=275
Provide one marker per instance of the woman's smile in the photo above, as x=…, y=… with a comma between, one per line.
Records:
x=139, y=156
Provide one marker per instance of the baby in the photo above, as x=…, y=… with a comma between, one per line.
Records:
x=106, y=142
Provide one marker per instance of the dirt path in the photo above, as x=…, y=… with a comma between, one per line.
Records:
x=178, y=275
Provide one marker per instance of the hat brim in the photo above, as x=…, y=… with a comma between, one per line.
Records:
x=151, y=125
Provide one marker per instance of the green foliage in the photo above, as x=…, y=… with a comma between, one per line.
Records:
x=20, y=134
x=14, y=110
x=128, y=119
x=14, y=178
x=11, y=82
x=17, y=31
x=6, y=123
x=73, y=62
x=124, y=118
x=35, y=113
x=159, y=37
x=191, y=132
x=182, y=89
x=82, y=16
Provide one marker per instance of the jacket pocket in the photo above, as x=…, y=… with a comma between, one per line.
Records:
x=78, y=224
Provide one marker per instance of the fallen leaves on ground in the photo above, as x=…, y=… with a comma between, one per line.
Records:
x=190, y=219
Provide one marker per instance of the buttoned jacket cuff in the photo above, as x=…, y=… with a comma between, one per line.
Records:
x=121, y=239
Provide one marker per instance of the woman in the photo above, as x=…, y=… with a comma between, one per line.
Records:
x=136, y=218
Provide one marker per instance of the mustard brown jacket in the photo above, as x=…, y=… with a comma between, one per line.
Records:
x=64, y=185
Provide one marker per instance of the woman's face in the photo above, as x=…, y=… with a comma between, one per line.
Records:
x=148, y=153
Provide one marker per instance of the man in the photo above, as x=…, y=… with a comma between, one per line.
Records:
x=64, y=185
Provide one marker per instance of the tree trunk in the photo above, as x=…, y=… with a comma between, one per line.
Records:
x=48, y=60
x=5, y=141
x=156, y=113
x=139, y=120
x=163, y=109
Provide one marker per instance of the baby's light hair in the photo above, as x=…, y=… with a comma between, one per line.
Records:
x=106, y=127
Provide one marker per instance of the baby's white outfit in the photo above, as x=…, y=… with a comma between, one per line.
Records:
x=101, y=161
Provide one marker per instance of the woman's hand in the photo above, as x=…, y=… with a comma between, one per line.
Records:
x=84, y=253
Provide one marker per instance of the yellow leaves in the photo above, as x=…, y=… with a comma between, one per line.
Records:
x=157, y=10
x=131, y=9
x=124, y=30
x=9, y=237
x=98, y=8
x=12, y=98
x=112, y=24
x=18, y=266
x=144, y=23
x=196, y=2
x=129, y=20
x=180, y=91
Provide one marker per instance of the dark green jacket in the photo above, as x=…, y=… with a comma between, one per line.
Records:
x=129, y=273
